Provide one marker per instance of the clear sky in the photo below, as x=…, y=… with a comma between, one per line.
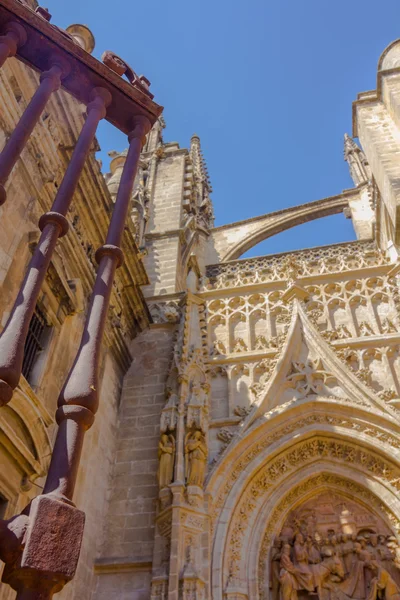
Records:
x=267, y=85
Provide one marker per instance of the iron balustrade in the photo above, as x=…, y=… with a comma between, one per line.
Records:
x=39, y=563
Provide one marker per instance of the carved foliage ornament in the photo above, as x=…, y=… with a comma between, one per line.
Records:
x=305, y=263
x=374, y=433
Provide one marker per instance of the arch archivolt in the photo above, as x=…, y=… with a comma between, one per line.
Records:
x=365, y=456
x=276, y=430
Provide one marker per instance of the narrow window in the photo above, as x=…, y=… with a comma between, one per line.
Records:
x=35, y=342
x=3, y=506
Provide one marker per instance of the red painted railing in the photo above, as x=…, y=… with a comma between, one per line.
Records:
x=41, y=545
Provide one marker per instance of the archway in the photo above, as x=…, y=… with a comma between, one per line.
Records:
x=258, y=504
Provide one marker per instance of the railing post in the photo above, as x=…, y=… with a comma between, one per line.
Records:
x=13, y=38
x=78, y=400
x=48, y=562
x=50, y=81
x=53, y=225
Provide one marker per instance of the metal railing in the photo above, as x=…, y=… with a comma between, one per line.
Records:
x=41, y=545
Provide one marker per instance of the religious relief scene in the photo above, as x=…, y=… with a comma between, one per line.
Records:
x=181, y=419
x=331, y=547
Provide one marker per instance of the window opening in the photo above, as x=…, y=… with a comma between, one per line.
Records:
x=3, y=506
x=34, y=342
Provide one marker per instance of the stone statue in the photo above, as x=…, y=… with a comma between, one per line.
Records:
x=196, y=458
x=166, y=457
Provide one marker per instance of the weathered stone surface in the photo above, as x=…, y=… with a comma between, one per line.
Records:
x=275, y=379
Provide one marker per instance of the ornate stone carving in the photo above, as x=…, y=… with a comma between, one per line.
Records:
x=335, y=482
x=314, y=262
x=169, y=414
x=197, y=407
x=159, y=588
x=240, y=345
x=309, y=378
x=242, y=411
x=166, y=456
x=195, y=458
x=369, y=430
x=282, y=465
x=333, y=545
x=225, y=435
x=165, y=312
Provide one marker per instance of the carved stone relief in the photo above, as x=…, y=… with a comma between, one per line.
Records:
x=334, y=547
x=330, y=259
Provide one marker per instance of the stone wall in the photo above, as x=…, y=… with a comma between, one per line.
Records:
x=129, y=526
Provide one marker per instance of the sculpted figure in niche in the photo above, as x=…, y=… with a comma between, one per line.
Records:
x=196, y=458
x=166, y=457
x=198, y=397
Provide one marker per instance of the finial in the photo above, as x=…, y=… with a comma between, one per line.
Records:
x=82, y=36
x=349, y=145
x=360, y=171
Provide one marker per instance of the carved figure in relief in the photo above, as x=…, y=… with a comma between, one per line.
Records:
x=346, y=552
x=276, y=554
x=301, y=561
x=382, y=585
x=196, y=458
x=318, y=577
x=314, y=556
x=198, y=396
x=166, y=457
x=335, y=550
x=288, y=576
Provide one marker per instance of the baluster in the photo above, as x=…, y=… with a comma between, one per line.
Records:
x=78, y=401
x=50, y=81
x=47, y=561
x=52, y=225
x=14, y=37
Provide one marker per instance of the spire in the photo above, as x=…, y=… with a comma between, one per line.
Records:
x=202, y=183
x=199, y=163
x=360, y=171
x=154, y=138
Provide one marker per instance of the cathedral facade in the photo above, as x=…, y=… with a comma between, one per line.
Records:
x=247, y=445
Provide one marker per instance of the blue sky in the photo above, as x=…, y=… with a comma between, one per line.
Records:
x=267, y=86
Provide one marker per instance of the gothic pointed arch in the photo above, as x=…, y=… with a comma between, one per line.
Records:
x=249, y=513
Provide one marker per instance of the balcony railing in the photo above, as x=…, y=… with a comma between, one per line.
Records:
x=41, y=545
